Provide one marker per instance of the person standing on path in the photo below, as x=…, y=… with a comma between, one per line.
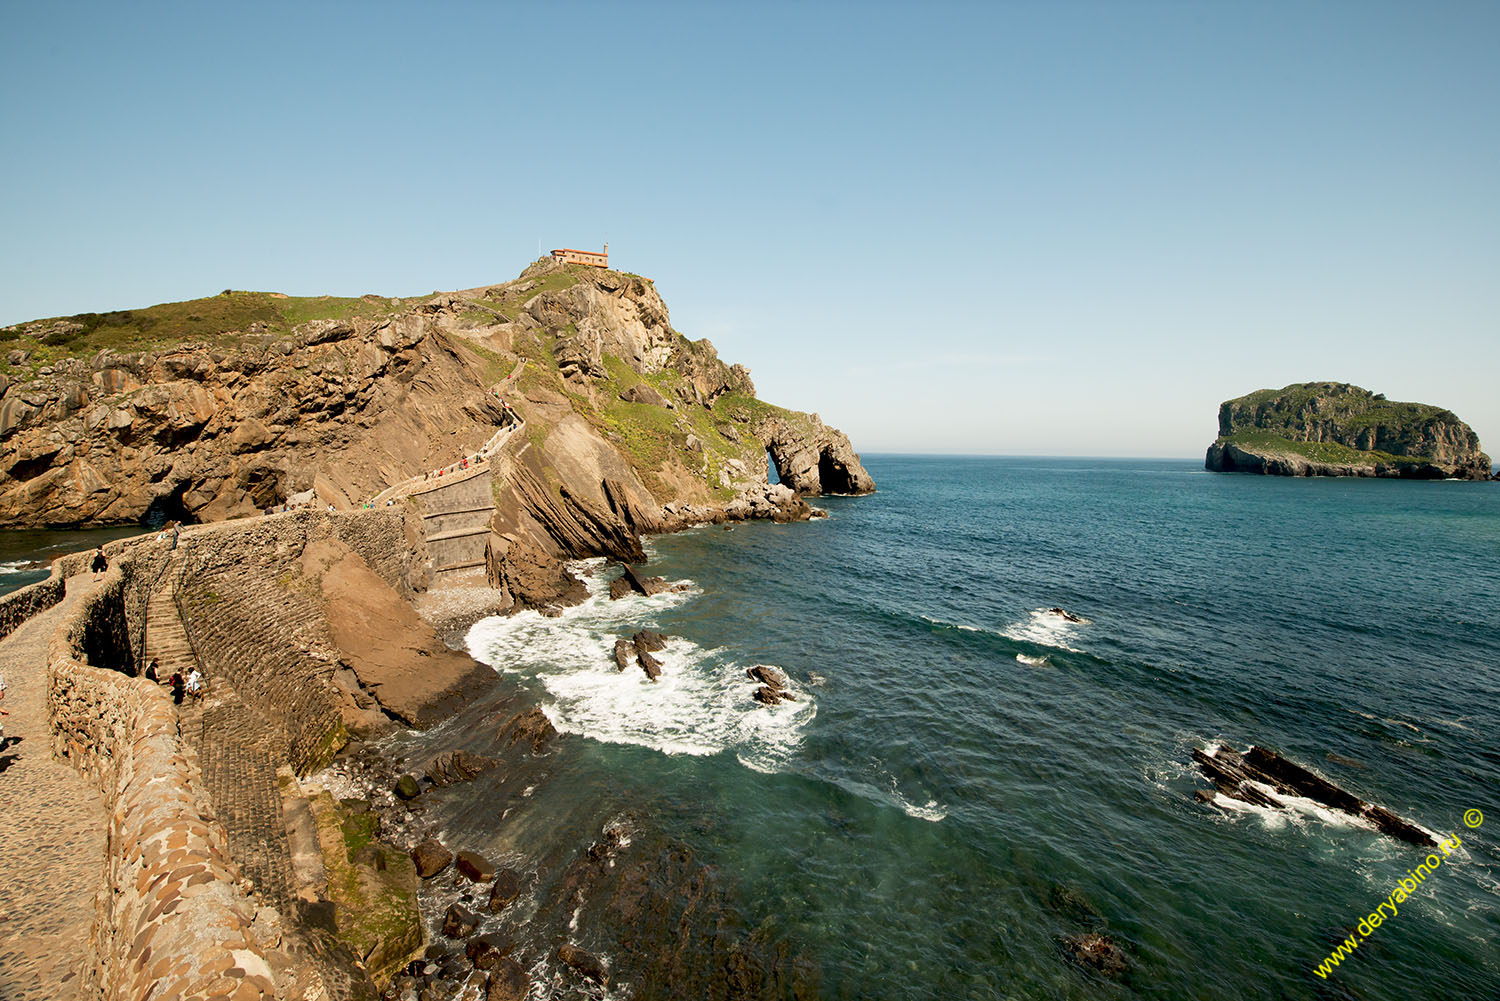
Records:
x=100, y=564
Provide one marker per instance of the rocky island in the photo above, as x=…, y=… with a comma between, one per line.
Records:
x=1335, y=429
x=358, y=480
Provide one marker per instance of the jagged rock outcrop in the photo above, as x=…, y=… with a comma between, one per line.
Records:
x=1334, y=429
x=814, y=459
x=203, y=432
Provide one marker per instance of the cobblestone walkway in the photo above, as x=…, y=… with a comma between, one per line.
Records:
x=51, y=830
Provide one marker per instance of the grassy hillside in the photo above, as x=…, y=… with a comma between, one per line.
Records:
x=224, y=319
x=1317, y=451
x=1354, y=407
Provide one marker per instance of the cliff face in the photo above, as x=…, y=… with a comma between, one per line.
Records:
x=222, y=407
x=1334, y=429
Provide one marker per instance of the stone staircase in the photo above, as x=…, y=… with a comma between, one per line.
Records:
x=233, y=746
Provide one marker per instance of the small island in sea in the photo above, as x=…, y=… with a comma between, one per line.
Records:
x=1335, y=429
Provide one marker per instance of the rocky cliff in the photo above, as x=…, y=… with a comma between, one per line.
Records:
x=1335, y=429
x=225, y=406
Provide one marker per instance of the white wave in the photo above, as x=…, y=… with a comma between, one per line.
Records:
x=930, y=812
x=1273, y=819
x=1032, y=661
x=700, y=705
x=20, y=566
x=1044, y=628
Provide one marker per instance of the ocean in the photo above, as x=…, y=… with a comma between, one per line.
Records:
x=966, y=782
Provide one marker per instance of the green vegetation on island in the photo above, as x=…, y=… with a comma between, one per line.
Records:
x=1335, y=429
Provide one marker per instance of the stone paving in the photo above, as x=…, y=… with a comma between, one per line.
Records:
x=52, y=826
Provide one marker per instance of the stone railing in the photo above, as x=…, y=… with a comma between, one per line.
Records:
x=172, y=911
x=22, y=604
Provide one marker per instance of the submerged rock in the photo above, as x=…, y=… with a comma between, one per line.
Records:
x=586, y=963
x=1097, y=952
x=475, y=866
x=506, y=889
x=486, y=951
x=532, y=727
x=457, y=766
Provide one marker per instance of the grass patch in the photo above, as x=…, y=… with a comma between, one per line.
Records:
x=1318, y=451
x=373, y=888
x=226, y=320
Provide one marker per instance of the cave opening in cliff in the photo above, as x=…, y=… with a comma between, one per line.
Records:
x=168, y=507
x=773, y=475
x=833, y=477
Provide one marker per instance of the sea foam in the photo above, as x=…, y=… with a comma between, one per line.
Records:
x=700, y=705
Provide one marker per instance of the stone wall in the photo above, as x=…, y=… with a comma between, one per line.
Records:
x=456, y=519
x=18, y=606
x=171, y=911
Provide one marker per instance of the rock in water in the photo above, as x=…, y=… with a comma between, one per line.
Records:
x=475, y=866
x=507, y=888
x=766, y=695
x=407, y=787
x=457, y=766
x=459, y=922
x=623, y=649
x=507, y=982
x=1097, y=952
x=769, y=675
x=431, y=858
x=586, y=963
x=647, y=641
x=1239, y=775
x=486, y=951
x=650, y=665
x=1335, y=429
x=633, y=581
x=531, y=726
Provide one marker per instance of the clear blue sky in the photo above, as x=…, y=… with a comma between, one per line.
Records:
x=1030, y=227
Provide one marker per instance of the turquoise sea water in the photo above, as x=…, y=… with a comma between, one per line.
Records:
x=964, y=782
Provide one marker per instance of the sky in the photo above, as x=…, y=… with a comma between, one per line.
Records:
x=1047, y=228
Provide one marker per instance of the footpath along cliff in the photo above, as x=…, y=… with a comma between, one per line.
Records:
x=1335, y=429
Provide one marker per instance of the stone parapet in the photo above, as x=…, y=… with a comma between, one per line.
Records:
x=22, y=604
